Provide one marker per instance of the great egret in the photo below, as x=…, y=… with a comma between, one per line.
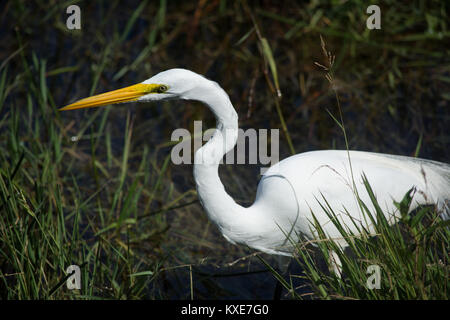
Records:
x=290, y=191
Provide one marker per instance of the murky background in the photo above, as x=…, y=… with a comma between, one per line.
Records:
x=393, y=85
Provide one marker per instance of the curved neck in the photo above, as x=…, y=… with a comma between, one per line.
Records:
x=221, y=208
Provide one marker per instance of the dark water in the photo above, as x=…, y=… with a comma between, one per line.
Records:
x=253, y=281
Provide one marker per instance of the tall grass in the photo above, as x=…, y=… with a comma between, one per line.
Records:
x=411, y=256
x=96, y=188
x=48, y=224
x=55, y=212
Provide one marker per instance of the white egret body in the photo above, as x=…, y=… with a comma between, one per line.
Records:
x=291, y=189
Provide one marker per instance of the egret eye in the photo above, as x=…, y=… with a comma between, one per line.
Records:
x=162, y=88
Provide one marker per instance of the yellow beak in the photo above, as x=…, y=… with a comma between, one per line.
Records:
x=127, y=94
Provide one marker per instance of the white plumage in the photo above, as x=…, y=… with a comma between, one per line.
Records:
x=292, y=189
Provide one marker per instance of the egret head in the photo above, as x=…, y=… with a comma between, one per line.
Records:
x=170, y=84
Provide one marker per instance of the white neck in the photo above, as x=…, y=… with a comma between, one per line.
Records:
x=220, y=207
